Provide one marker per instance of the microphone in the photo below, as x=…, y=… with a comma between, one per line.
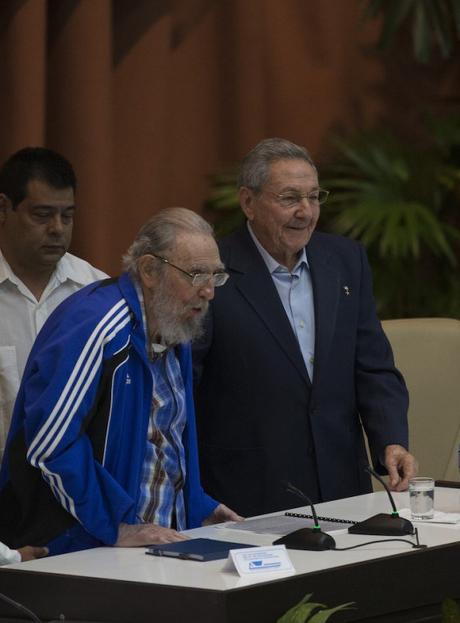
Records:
x=313, y=539
x=383, y=523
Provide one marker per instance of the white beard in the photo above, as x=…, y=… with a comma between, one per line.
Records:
x=167, y=315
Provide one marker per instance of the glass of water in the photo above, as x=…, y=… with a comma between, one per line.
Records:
x=421, y=497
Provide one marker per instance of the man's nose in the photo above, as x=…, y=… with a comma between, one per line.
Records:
x=207, y=291
x=305, y=207
x=56, y=224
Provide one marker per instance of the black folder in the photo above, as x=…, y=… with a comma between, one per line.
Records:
x=196, y=549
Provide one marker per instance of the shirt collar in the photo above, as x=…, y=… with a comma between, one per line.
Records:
x=5, y=271
x=67, y=270
x=272, y=265
x=7, y=275
x=64, y=270
x=153, y=349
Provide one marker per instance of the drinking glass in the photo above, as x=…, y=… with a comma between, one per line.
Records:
x=421, y=497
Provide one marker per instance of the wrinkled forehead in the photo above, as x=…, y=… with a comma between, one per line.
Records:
x=293, y=172
x=194, y=248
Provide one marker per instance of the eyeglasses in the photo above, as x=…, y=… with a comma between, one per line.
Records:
x=290, y=199
x=198, y=279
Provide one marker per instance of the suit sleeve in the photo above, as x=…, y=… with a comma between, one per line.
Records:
x=59, y=389
x=381, y=392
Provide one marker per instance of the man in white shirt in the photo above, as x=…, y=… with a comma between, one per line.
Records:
x=37, y=206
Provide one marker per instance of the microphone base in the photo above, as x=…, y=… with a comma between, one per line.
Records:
x=383, y=524
x=308, y=539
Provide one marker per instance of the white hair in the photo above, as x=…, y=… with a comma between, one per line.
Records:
x=160, y=232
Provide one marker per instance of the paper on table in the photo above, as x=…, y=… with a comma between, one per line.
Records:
x=439, y=517
x=279, y=524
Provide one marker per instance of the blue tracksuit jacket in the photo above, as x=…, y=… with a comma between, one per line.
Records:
x=72, y=465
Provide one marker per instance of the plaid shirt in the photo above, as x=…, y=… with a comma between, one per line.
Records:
x=161, y=499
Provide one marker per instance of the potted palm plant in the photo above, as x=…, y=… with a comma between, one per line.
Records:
x=402, y=200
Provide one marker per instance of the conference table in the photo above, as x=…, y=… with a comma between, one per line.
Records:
x=389, y=581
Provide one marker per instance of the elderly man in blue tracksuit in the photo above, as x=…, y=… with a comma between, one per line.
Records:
x=102, y=449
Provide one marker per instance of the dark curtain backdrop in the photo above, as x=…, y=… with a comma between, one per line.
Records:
x=148, y=98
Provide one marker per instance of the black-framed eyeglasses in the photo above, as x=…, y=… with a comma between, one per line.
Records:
x=198, y=279
x=291, y=198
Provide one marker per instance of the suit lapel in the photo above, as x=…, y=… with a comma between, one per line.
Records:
x=326, y=281
x=254, y=282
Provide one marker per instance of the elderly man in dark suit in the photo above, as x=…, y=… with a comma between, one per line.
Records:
x=294, y=362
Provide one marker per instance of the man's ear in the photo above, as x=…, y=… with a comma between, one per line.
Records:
x=147, y=273
x=5, y=203
x=246, y=197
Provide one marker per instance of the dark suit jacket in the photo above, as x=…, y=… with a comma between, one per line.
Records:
x=260, y=420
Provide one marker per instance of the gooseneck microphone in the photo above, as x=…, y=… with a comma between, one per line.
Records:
x=383, y=523
x=372, y=472
x=291, y=489
x=313, y=539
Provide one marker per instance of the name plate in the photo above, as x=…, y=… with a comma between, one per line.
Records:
x=273, y=559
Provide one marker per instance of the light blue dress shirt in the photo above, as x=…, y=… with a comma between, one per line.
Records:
x=296, y=293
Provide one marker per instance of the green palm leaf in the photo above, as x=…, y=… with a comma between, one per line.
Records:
x=434, y=23
x=402, y=202
x=306, y=611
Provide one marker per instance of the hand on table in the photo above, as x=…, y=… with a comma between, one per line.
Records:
x=31, y=552
x=401, y=466
x=137, y=535
x=222, y=513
